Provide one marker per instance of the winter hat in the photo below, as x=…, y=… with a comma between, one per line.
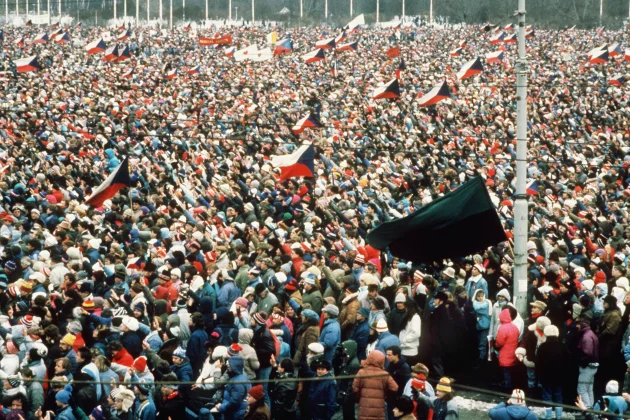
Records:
x=260, y=318
x=97, y=413
x=88, y=305
x=140, y=364
x=623, y=283
x=518, y=397
x=444, y=385
x=14, y=380
x=234, y=350
x=381, y=326
x=588, y=285
x=400, y=298
x=143, y=386
x=310, y=279
x=365, y=312
x=450, y=272
x=69, y=339
x=241, y=301
x=74, y=327
x=316, y=348
x=131, y=323
x=331, y=310
x=541, y=323
x=139, y=307
x=64, y=395
x=551, y=331
x=419, y=382
x=310, y=314
x=180, y=352
x=612, y=387
x=359, y=259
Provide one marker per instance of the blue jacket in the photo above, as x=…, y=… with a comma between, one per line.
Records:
x=511, y=412
x=196, y=349
x=144, y=410
x=234, y=405
x=228, y=293
x=65, y=414
x=360, y=335
x=482, y=313
x=330, y=337
x=385, y=341
x=322, y=398
x=184, y=373
x=616, y=405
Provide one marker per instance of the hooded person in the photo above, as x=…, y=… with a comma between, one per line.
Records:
x=503, y=300
x=234, y=405
x=248, y=353
x=349, y=367
x=514, y=408
x=371, y=387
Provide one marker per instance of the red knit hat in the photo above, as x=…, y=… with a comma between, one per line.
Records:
x=257, y=392
x=140, y=364
x=600, y=277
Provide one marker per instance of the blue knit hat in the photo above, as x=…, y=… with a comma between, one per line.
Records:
x=180, y=352
x=310, y=314
x=64, y=395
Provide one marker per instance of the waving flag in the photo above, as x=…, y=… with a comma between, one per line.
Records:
x=617, y=80
x=393, y=52
x=19, y=41
x=62, y=38
x=95, y=47
x=193, y=70
x=599, y=57
x=313, y=56
x=128, y=74
x=307, y=122
x=510, y=39
x=263, y=55
x=401, y=66
x=41, y=38
x=351, y=46
x=123, y=54
x=116, y=181
x=390, y=90
x=272, y=37
x=283, y=46
x=170, y=75
x=340, y=38
x=300, y=163
x=497, y=39
x=530, y=34
x=456, y=52
x=230, y=52
x=28, y=22
x=246, y=53
x=27, y=64
x=124, y=35
x=495, y=57
x=111, y=54
x=355, y=23
x=222, y=40
x=462, y=43
x=614, y=50
x=326, y=44
x=78, y=26
x=470, y=69
x=509, y=27
x=532, y=188
x=437, y=94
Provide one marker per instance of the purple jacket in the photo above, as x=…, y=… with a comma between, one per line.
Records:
x=588, y=347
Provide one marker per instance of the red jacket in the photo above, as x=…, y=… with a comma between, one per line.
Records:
x=123, y=358
x=507, y=340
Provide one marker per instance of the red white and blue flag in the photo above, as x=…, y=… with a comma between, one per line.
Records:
x=470, y=69
x=495, y=57
x=41, y=38
x=230, y=52
x=390, y=90
x=510, y=39
x=123, y=54
x=497, y=39
x=111, y=54
x=300, y=163
x=326, y=44
x=340, y=38
x=307, y=122
x=456, y=52
x=27, y=64
x=283, y=46
x=614, y=50
x=95, y=47
x=62, y=38
x=124, y=35
x=116, y=181
x=617, y=80
x=599, y=56
x=435, y=95
x=128, y=74
x=19, y=41
x=193, y=70
x=171, y=74
x=313, y=56
x=532, y=188
x=626, y=55
x=351, y=46
x=401, y=66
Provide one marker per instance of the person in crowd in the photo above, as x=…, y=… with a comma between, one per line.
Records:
x=514, y=408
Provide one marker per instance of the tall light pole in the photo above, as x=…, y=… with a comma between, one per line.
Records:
x=125, y=8
x=431, y=12
x=302, y=8
x=230, y=10
x=26, y=1
x=115, y=11
x=378, y=10
x=47, y=8
x=137, y=13
x=601, y=11
x=236, y=13
x=351, y=9
x=520, y=204
x=184, y=10
x=148, y=11
x=38, y=8
x=326, y=9
x=403, y=11
x=60, y=12
x=171, y=16
x=207, y=9
x=253, y=12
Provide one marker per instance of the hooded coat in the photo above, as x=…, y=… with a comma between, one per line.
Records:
x=234, y=405
x=371, y=392
x=305, y=335
x=248, y=353
x=507, y=340
x=348, y=315
x=511, y=412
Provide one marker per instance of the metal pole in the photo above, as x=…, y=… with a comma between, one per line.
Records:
x=26, y=1
x=206, y=10
x=17, y=9
x=48, y=9
x=378, y=7
x=148, y=11
x=403, y=11
x=520, y=204
x=236, y=12
x=6, y=10
x=350, y=8
x=171, y=16
x=230, y=10
x=601, y=11
x=184, y=10
x=302, y=9
x=38, y=8
x=125, y=7
x=59, y=12
x=326, y=9
x=160, y=8
x=253, y=12
x=137, y=13
x=431, y=12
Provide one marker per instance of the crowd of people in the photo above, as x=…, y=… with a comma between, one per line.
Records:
x=209, y=273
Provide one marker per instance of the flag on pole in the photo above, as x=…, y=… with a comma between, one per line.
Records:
x=116, y=181
x=41, y=38
x=456, y=52
x=495, y=57
x=122, y=54
x=401, y=66
x=283, y=46
x=300, y=163
x=390, y=90
x=614, y=49
x=617, y=80
x=95, y=47
x=307, y=122
x=326, y=44
x=171, y=74
x=497, y=39
x=532, y=188
x=355, y=23
x=459, y=223
x=193, y=70
x=313, y=56
x=599, y=56
x=351, y=46
x=111, y=54
x=470, y=69
x=437, y=94
x=24, y=65
x=393, y=52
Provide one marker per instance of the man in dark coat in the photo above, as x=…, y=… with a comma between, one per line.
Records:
x=196, y=347
x=361, y=332
x=551, y=368
x=172, y=405
x=444, y=339
x=349, y=367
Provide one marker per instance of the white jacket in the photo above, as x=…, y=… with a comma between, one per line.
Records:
x=410, y=337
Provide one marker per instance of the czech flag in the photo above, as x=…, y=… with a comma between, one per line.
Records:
x=393, y=52
x=462, y=44
x=614, y=50
x=495, y=57
x=307, y=122
x=124, y=35
x=27, y=64
x=194, y=70
x=437, y=94
x=351, y=46
x=29, y=23
x=326, y=44
x=456, y=52
x=509, y=27
x=41, y=38
x=401, y=66
x=510, y=39
x=95, y=47
x=470, y=69
x=283, y=46
x=127, y=74
x=62, y=38
x=78, y=26
x=355, y=23
x=313, y=56
x=116, y=181
x=111, y=54
x=20, y=41
x=626, y=56
x=58, y=31
x=390, y=90
x=599, y=56
x=497, y=39
x=230, y=52
x=300, y=163
x=529, y=34
x=532, y=188
x=617, y=80
x=123, y=54
x=340, y=38
x=171, y=74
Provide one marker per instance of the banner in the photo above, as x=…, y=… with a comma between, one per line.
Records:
x=224, y=40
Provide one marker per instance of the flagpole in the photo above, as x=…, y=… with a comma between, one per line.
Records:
x=229, y=11
x=351, y=9
x=171, y=17
x=431, y=12
x=378, y=6
x=137, y=13
x=253, y=12
x=520, y=204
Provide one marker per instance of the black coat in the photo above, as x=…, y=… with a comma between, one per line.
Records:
x=283, y=396
x=551, y=362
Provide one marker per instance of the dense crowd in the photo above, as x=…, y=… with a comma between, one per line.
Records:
x=209, y=273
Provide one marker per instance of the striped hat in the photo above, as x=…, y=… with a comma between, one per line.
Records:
x=418, y=275
x=88, y=305
x=114, y=393
x=444, y=385
x=14, y=380
x=359, y=259
x=180, y=352
x=260, y=318
x=518, y=397
x=234, y=350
